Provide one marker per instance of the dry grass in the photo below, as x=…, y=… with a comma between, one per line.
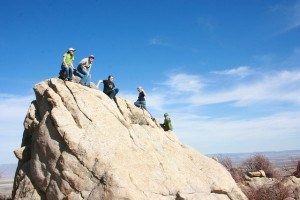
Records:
x=276, y=191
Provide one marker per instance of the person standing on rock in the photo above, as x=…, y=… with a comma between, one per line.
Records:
x=141, y=101
x=84, y=68
x=67, y=64
x=109, y=87
x=167, y=125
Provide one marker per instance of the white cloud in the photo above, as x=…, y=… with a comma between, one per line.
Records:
x=14, y=107
x=241, y=71
x=13, y=111
x=205, y=22
x=225, y=128
x=158, y=41
x=278, y=87
x=186, y=92
x=293, y=16
x=222, y=134
x=266, y=58
x=184, y=82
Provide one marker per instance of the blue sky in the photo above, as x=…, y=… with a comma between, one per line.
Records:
x=228, y=72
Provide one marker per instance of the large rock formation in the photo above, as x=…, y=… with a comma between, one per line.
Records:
x=79, y=144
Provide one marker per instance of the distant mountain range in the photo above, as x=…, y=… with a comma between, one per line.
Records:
x=277, y=158
x=8, y=170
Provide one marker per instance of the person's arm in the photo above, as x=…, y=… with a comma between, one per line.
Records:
x=72, y=59
x=80, y=64
x=72, y=66
x=145, y=94
x=89, y=68
x=169, y=125
x=64, y=60
x=99, y=82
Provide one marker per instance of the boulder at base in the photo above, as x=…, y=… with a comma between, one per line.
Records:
x=79, y=144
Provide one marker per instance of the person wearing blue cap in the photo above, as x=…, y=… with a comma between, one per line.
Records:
x=167, y=125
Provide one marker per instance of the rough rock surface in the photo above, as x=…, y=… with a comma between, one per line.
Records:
x=82, y=145
x=292, y=183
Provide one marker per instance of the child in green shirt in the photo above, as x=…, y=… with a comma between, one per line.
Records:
x=167, y=125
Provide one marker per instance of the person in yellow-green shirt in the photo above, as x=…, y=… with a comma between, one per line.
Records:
x=67, y=64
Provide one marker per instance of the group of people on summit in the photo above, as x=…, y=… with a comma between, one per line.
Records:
x=84, y=68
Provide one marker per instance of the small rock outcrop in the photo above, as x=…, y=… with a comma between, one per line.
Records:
x=79, y=144
x=275, y=188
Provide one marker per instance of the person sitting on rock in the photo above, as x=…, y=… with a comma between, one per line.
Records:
x=167, y=125
x=67, y=64
x=141, y=101
x=84, y=68
x=109, y=87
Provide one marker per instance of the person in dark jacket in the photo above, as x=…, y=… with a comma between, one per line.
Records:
x=109, y=87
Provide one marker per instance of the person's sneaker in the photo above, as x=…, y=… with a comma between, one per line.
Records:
x=69, y=79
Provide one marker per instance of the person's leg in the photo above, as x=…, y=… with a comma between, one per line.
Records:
x=115, y=92
x=144, y=106
x=84, y=74
x=110, y=94
x=163, y=126
x=137, y=104
x=88, y=80
x=63, y=73
x=67, y=72
x=70, y=73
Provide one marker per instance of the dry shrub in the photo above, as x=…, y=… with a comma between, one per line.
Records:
x=297, y=172
x=259, y=162
x=226, y=162
x=138, y=118
x=276, y=191
x=236, y=173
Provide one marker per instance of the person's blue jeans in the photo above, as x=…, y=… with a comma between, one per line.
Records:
x=142, y=104
x=68, y=70
x=86, y=76
x=112, y=93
